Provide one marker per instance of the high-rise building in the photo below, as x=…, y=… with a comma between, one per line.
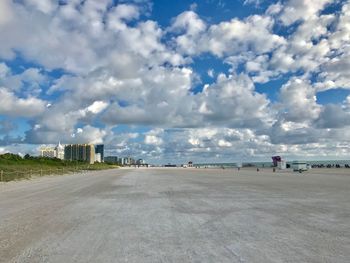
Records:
x=100, y=149
x=97, y=157
x=47, y=152
x=126, y=161
x=53, y=152
x=59, y=151
x=140, y=162
x=121, y=160
x=80, y=152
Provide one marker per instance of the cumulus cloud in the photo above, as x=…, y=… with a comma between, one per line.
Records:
x=226, y=38
x=333, y=116
x=153, y=140
x=28, y=83
x=97, y=107
x=233, y=101
x=12, y=105
x=89, y=134
x=189, y=22
x=237, y=36
x=45, y=6
x=299, y=101
x=84, y=134
x=6, y=13
x=295, y=10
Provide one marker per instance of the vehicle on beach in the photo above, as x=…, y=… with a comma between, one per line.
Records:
x=299, y=166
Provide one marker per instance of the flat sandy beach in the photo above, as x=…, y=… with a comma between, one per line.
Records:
x=178, y=215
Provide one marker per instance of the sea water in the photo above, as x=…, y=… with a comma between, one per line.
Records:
x=269, y=164
x=311, y=162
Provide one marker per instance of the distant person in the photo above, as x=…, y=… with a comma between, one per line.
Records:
x=257, y=169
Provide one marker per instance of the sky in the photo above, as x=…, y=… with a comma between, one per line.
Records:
x=174, y=81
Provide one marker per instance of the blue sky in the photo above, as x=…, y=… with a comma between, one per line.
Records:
x=172, y=81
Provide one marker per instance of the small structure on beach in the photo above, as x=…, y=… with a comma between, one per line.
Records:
x=282, y=165
x=298, y=166
x=279, y=162
x=275, y=160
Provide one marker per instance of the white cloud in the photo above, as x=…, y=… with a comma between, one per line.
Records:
x=4, y=70
x=120, y=14
x=11, y=105
x=274, y=9
x=6, y=13
x=97, y=107
x=89, y=134
x=233, y=101
x=153, y=137
x=223, y=143
x=295, y=10
x=211, y=73
x=154, y=140
x=28, y=82
x=232, y=37
x=333, y=116
x=189, y=22
x=192, y=27
x=299, y=101
x=45, y=6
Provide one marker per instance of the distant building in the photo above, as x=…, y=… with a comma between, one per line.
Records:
x=80, y=152
x=282, y=165
x=52, y=152
x=275, y=160
x=111, y=159
x=121, y=161
x=140, y=162
x=100, y=149
x=48, y=152
x=279, y=162
x=98, y=158
x=128, y=161
x=59, y=151
x=190, y=164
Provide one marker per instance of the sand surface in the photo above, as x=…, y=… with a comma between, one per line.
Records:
x=178, y=215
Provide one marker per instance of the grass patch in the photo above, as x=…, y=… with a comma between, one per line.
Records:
x=14, y=167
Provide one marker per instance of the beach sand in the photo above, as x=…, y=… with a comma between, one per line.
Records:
x=178, y=215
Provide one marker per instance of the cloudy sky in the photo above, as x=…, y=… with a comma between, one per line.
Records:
x=172, y=81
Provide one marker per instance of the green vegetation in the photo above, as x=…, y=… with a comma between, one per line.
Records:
x=14, y=167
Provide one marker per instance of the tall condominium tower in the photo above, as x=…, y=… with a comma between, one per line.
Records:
x=80, y=152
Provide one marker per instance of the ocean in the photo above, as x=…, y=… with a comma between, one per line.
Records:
x=269, y=164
